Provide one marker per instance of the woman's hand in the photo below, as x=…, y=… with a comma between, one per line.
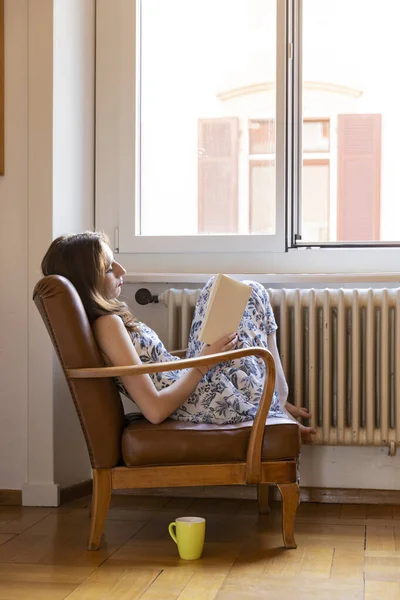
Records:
x=297, y=412
x=225, y=344
x=305, y=432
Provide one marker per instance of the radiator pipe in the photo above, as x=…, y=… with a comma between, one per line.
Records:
x=144, y=296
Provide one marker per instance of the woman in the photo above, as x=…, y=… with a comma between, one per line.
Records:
x=227, y=393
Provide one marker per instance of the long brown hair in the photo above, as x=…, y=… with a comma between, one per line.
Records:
x=80, y=258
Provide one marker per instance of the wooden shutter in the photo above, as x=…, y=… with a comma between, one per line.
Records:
x=359, y=177
x=218, y=175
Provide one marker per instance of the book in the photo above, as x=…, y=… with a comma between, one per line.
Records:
x=225, y=308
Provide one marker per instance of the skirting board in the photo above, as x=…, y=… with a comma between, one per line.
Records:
x=307, y=494
x=10, y=497
x=40, y=494
x=78, y=490
x=67, y=494
x=249, y=492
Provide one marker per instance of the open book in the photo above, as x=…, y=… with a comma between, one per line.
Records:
x=225, y=308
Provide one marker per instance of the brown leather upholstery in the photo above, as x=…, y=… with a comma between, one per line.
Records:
x=97, y=401
x=177, y=442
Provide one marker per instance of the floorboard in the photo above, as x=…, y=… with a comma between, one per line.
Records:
x=345, y=552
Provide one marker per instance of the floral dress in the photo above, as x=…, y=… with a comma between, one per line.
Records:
x=230, y=392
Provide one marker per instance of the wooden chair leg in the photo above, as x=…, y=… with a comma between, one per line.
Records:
x=263, y=498
x=290, y=493
x=100, y=502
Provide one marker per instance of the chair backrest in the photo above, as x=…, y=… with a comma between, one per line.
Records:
x=97, y=401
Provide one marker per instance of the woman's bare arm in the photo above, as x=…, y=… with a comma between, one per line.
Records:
x=116, y=344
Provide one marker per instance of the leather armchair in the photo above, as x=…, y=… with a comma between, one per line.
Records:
x=171, y=454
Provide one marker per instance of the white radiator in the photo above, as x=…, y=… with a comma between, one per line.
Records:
x=340, y=351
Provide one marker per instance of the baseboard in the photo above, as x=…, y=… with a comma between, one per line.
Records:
x=349, y=496
x=35, y=495
x=40, y=494
x=239, y=492
x=249, y=492
x=10, y=497
x=76, y=491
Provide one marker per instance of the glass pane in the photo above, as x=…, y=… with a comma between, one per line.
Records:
x=316, y=200
x=208, y=69
x=316, y=135
x=262, y=136
x=262, y=196
x=351, y=115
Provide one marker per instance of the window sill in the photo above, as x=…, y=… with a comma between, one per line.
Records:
x=272, y=278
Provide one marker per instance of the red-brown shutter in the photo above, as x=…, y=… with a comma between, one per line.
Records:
x=218, y=175
x=359, y=177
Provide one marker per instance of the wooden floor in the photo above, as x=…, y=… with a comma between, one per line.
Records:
x=344, y=552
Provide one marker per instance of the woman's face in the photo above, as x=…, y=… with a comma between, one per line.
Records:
x=114, y=272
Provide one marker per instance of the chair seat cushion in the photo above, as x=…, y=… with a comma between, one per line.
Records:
x=177, y=442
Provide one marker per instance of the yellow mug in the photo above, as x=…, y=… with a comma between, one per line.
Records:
x=188, y=534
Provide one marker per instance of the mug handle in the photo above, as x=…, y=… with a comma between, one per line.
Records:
x=172, y=531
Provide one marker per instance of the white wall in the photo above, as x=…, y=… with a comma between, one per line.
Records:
x=39, y=486
x=61, y=121
x=73, y=190
x=47, y=189
x=13, y=250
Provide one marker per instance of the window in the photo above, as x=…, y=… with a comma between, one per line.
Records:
x=316, y=135
x=217, y=183
x=179, y=151
x=262, y=175
x=258, y=126
x=345, y=79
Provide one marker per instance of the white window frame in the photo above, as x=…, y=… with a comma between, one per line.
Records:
x=117, y=144
x=115, y=176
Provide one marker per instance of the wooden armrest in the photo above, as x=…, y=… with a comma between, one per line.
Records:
x=253, y=457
